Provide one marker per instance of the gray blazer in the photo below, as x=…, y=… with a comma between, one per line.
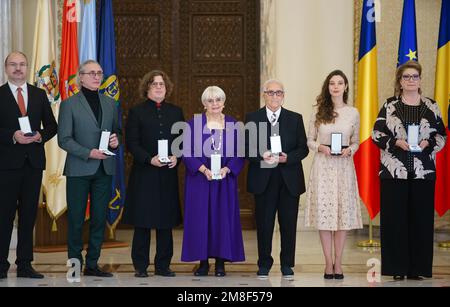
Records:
x=79, y=133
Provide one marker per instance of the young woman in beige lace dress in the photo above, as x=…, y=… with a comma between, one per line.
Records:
x=332, y=200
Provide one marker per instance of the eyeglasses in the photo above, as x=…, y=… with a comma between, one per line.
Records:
x=156, y=84
x=212, y=101
x=273, y=93
x=15, y=65
x=414, y=77
x=92, y=74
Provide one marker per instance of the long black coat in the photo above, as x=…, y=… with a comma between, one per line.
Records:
x=152, y=196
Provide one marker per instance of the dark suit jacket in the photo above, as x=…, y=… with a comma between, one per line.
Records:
x=13, y=156
x=293, y=142
x=152, y=199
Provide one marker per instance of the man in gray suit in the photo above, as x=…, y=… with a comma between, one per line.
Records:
x=82, y=119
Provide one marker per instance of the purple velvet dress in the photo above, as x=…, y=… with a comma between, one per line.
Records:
x=212, y=227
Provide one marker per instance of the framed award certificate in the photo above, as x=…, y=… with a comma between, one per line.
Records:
x=336, y=144
x=104, y=143
x=275, y=144
x=413, y=138
x=25, y=127
x=216, y=160
x=163, y=151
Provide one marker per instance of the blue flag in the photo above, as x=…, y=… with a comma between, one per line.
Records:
x=407, y=50
x=88, y=37
x=110, y=87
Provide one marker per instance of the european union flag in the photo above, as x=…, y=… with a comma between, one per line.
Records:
x=407, y=50
x=110, y=87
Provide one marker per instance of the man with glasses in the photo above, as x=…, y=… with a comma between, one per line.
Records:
x=152, y=200
x=86, y=120
x=275, y=177
x=22, y=160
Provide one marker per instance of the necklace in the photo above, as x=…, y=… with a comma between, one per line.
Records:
x=213, y=142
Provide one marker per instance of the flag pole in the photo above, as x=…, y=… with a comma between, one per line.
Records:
x=371, y=242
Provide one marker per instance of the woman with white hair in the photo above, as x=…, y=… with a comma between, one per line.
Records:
x=212, y=227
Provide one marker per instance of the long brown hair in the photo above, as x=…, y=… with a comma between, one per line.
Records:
x=325, y=108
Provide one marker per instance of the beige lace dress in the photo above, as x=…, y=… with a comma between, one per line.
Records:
x=332, y=199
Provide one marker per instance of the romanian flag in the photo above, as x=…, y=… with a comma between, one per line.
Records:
x=442, y=96
x=367, y=158
x=407, y=50
x=69, y=49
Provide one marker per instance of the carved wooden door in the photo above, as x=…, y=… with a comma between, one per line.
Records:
x=198, y=43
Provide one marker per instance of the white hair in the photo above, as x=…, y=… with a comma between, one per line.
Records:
x=266, y=84
x=212, y=92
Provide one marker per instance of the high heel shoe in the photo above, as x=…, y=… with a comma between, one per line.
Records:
x=328, y=276
x=339, y=276
x=203, y=268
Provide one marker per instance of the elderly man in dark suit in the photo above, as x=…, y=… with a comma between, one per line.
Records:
x=22, y=160
x=276, y=179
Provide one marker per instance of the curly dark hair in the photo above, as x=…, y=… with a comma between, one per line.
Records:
x=150, y=77
x=325, y=108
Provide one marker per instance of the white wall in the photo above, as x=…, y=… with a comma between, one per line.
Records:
x=312, y=39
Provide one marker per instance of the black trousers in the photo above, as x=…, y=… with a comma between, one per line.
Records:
x=276, y=198
x=407, y=227
x=19, y=190
x=140, y=251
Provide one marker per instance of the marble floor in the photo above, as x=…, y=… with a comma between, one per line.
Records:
x=308, y=270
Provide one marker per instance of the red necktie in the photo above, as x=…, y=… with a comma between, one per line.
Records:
x=21, y=102
x=158, y=105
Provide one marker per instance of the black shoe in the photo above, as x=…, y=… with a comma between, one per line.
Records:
x=339, y=276
x=263, y=272
x=398, y=277
x=328, y=276
x=165, y=272
x=203, y=269
x=29, y=272
x=220, y=268
x=96, y=272
x=415, y=277
x=3, y=275
x=141, y=274
x=287, y=272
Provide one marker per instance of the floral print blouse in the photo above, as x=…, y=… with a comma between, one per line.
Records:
x=391, y=126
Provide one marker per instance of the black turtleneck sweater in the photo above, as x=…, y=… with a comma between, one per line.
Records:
x=93, y=100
